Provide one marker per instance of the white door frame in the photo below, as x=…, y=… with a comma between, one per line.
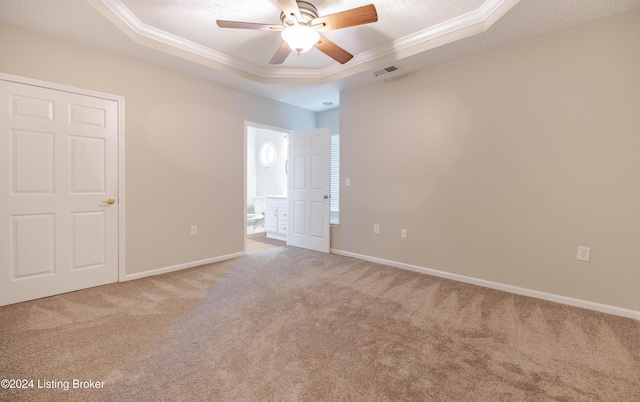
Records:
x=248, y=124
x=120, y=192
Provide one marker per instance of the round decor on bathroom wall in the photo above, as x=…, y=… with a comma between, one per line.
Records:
x=267, y=153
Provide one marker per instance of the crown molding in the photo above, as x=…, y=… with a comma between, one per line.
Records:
x=446, y=32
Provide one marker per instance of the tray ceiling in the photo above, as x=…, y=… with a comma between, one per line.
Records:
x=409, y=34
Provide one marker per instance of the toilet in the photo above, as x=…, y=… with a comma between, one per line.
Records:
x=255, y=221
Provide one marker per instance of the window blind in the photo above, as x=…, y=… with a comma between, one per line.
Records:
x=335, y=173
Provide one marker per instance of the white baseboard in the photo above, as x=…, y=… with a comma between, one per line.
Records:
x=603, y=308
x=178, y=267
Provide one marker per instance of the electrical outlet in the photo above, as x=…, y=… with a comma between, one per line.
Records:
x=194, y=230
x=376, y=229
x=403, y=233
x=584, y=253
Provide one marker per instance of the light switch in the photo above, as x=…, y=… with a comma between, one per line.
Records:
x=347, y=182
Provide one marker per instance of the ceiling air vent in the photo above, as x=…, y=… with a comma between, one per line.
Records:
x=386, y=70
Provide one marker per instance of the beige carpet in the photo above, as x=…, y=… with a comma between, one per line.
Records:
x=289, y=324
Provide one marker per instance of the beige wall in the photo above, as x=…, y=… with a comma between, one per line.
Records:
x=501, y=164
x=329, y=118
x=184, y=145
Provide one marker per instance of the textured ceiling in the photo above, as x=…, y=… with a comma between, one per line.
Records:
x=402, y=29
x=194, y=20
x=410, y=34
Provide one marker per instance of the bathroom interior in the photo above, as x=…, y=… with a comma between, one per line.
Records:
x=266, y=174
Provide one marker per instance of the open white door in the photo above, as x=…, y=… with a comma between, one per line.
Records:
x=309, y=189
x=58, y=181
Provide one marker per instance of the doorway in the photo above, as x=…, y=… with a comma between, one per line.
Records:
x=296, y=192
x=266, y=150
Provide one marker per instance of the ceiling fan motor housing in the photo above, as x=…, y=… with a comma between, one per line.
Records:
x=308, y=11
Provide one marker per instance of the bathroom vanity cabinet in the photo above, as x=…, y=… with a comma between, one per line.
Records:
x=276, y=217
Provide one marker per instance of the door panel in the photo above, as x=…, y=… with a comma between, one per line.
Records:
x=87, y=165
x=317, y=171
x=88, y=246
x=31, y=107
x=309, y=189
x=299, y=164
x=317, y=226
x=298, y=217
x=58, y=164
x=32, y=232
x=32, y=170
x=85, y=115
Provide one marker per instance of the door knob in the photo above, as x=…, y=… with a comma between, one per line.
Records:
x=326, y=196
x=109, y=201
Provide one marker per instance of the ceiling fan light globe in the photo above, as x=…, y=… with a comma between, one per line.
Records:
x=300, y=38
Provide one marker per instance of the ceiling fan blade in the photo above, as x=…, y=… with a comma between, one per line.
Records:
x=281, y=54
x=332, y=50
x=349, y=18
x=290, y=7
x=249, y=25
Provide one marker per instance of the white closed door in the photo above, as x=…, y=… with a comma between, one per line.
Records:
x=58, y=172
x=309, y=189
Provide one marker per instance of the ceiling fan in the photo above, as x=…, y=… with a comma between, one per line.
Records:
x=301, y=27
